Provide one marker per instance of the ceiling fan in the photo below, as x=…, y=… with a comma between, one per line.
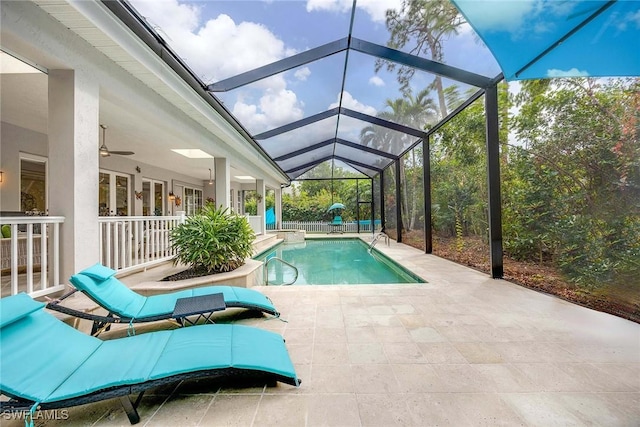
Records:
x=105, y=152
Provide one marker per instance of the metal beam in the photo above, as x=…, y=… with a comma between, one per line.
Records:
x=420, y=63
x=280, y=66
x=365, y=148
x=310, y=164
x=355, y=162
x=426, y=182
x=299, y=123
x=398, y=204
x=384, y=123
x=493, y=182
x=304, y=150
x=382, y=205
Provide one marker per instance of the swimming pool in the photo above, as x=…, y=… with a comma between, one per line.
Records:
x=333, y=262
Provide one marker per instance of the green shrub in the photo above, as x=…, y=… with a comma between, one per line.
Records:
x=213, y=241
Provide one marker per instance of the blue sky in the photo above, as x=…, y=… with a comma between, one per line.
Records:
x=219, y=39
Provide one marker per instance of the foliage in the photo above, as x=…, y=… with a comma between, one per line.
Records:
x=215, y=240
x=572, y=186
x=423, y=26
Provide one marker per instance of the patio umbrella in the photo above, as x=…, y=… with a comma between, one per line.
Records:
x=533, y=39
x=335, y=206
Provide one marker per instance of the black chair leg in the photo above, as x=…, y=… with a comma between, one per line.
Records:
x=131, y=408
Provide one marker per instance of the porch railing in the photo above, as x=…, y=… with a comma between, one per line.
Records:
x=325, y=227
x=130, y=241
x=31, y=256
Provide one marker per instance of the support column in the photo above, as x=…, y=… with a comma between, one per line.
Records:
x=493, y=181
x=278, y=208
x=426, y=180
x=73, y=166
x=223, y=182
x=383, y=206
x=373, y=211
x=398, y=203
x=261, y=203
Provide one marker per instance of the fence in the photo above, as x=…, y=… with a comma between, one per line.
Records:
x=135, y=240
x=32, y=246
x=325, y=227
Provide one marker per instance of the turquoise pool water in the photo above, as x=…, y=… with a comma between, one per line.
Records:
x=333, y=262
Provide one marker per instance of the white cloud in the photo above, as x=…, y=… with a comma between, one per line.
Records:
x=631, y=19
x=574, y=72
x=220, y=48
x=376, y=81
x=375, y=8
x=302, y=74
x=215, y=49
x=348, y=101
x=275, y=108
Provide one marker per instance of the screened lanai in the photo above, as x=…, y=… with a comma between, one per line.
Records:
x=361, y=85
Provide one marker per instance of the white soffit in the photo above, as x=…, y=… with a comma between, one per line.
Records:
x=173, y=88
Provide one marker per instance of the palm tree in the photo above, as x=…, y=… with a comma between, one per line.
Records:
x=419, y=112
x=425, y=24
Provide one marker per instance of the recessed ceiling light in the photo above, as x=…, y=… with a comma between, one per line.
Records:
x=244, y=177
x=192, y=153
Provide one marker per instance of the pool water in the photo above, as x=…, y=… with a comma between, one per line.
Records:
x=333, y=262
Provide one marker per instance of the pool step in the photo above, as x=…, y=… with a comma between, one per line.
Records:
x=264, y=242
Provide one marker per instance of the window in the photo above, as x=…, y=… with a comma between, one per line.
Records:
x=33, y=183
x=113, y=194
x=192, y=200
x=152, y=197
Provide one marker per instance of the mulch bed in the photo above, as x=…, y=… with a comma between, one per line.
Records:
x=623, y=303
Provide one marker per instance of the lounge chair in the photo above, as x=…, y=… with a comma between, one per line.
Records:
x=126, y=306
x=47, y=364
x=336, y=225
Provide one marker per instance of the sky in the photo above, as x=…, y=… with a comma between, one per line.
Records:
x=219, y=39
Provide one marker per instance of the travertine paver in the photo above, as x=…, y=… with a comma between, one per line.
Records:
x=460, y=350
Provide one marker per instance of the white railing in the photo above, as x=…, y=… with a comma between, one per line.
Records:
x=130, y=241
x=31, y=256
x=326, y=227
x=255, y=221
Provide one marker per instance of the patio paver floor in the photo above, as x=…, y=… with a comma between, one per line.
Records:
x=460, y=350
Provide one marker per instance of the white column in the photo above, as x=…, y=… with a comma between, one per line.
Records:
x=261, y=203
x=223, y=182
x=73, y=166
x=278, y=208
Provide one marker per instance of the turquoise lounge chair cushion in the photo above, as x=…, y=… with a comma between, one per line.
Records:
x=157, y=305
x=37, y=351
x=111, y=294
x=45, y=360
x=99, y=272
x=18, y=307
x=117, y=298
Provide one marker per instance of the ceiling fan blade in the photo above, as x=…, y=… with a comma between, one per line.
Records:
x=122, y=153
